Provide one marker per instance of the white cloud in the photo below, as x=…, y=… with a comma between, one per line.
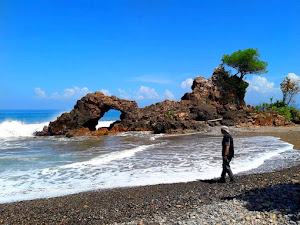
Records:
x=261, y=84
x=123, y=94
x=106, y=92
x=74, y=93
x=139, y=96
x=293, y=77
x=147, y=93
x=40, y=93
x=260, y=90
x=55, y=95
x=68, y=93
x=187, y=84
x=169, y=95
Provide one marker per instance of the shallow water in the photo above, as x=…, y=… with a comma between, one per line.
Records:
x=38, y=167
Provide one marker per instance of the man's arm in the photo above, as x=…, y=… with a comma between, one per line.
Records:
x=227, y=144
x=226, y=151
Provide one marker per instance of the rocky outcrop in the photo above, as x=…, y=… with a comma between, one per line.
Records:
x=220, y=89
x=271, y=119
x=218, y=100
x=89, y=110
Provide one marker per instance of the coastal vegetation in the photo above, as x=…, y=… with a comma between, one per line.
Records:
x=171, y=114
x=245, y=62
x=281, y=108
x=234, y=82
x=289, y=90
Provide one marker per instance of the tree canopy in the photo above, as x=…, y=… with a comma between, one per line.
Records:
x=245, y=62
x=289, y=89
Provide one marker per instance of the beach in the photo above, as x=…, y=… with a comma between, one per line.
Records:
x=267, y=198
x=111, y=113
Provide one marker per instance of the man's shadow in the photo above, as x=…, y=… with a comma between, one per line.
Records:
x=210, y=181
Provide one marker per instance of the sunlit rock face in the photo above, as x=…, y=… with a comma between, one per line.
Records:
x=218, y=90
x=89, y=110
x=218, y=100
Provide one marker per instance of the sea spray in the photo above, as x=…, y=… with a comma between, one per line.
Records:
x=104, y=124
x=10, y=129
x=106, y=158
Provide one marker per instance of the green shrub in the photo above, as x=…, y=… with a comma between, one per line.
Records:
x=243, y=87
x=294, y=112
x=281, y=108
x=171, y=114
x=284, y=111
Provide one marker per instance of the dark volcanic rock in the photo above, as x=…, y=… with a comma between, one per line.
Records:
x=271, y=119
x=171, y=117
x=220, y=89
x=89, y=110
x=218, y=100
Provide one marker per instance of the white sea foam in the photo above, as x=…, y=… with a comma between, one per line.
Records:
x=108, y=157
x=122, y=163
x=12, y=128
x=254, y=161
x=104, y=124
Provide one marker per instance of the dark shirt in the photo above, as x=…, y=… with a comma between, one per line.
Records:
x=227, y=141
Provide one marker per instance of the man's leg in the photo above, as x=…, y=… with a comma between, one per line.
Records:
x=228, y=170
x=224, y=171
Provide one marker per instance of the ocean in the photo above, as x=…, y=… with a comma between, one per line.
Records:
x=42, y=167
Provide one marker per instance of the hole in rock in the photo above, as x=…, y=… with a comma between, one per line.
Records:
x=108, y=118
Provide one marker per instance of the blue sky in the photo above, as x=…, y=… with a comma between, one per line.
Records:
x=54, y=52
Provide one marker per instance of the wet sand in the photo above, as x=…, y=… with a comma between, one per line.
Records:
x=175, y=203
x=287, y=134
x=290, y=134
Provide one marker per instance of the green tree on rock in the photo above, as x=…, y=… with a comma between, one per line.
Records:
x=245, y=62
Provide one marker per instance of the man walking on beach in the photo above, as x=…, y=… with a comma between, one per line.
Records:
x=227, y=154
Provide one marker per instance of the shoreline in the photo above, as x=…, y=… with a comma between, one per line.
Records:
x=167, y=203
x=290, y=134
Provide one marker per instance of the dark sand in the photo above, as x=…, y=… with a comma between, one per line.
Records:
x=288, y=134
x=149, y=203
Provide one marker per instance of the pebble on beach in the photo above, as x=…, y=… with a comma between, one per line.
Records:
x=268, y=198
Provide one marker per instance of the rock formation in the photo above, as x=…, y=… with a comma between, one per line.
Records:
x=218, y=100
x=220, y=89
x=90, y=109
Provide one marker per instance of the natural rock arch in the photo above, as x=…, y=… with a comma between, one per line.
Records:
x=89, y=110
x=111, y=116
x=218, y=100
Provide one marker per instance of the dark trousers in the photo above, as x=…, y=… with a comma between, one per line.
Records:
x=226, y=169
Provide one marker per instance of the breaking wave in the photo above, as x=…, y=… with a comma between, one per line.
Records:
x=13, y=128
